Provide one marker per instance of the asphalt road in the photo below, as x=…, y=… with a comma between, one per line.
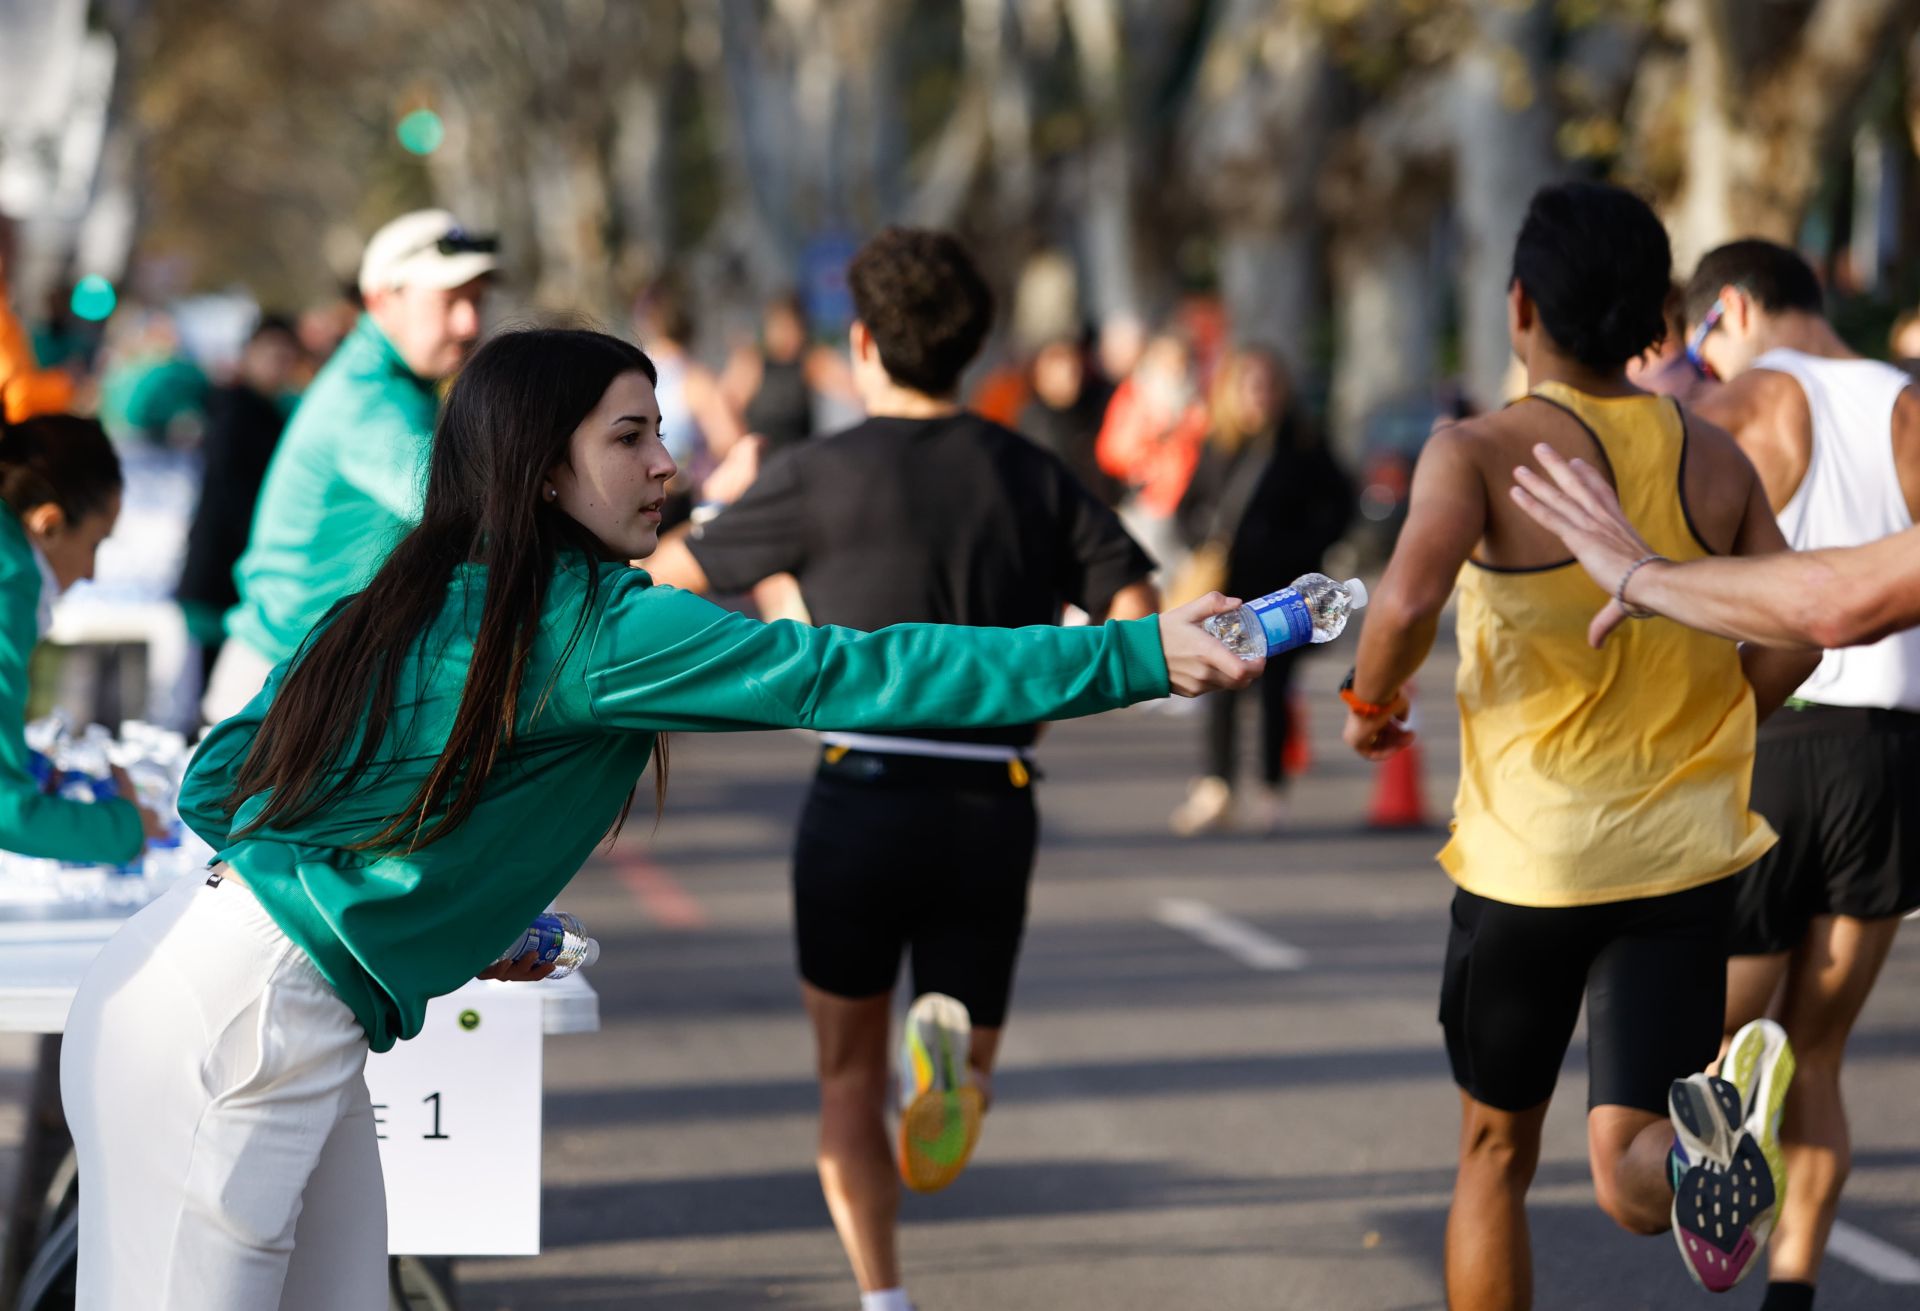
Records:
x=1223, y=1082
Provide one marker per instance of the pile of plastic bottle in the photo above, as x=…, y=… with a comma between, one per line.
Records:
x=155, y=760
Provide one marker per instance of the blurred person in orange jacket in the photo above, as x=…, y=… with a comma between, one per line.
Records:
x=1151, y=440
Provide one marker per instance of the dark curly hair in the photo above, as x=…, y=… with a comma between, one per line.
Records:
x=1595, y=261
x=920, y=295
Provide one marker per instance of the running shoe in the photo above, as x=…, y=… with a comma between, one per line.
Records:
x=1760, y=1063
x=940, y=1107
x=1725, y=1208
x=1706, y=1114
x=1722, y=1216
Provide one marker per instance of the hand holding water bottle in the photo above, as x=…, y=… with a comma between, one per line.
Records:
x=529, y=968
x=553, y=946
x=1196, y=661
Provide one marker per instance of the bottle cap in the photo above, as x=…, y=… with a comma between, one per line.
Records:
x=592, y=954
x=1356, y=592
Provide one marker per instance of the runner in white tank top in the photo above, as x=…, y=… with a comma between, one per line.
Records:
x=1850, y=495
x=1836, y=439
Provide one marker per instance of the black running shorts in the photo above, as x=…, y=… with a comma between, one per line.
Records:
x=1653, y=972
x=1841, y=786
x=928, y=857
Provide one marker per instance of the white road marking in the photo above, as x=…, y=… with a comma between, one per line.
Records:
x=1237, y=938
x=1863, y=1251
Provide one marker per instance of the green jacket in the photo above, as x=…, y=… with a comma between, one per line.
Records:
x=31, y=822
x=393, y=929
x=346, y=482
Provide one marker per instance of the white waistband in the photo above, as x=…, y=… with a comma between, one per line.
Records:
x=920, y=746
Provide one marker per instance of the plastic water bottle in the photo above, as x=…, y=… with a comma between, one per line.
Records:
x=557, y=939
x=1313, y=608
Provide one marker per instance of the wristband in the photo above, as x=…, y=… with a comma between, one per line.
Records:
x=1620, y=592
x=1367, y=709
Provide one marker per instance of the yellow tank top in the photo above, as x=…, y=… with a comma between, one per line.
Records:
x=1594, y=776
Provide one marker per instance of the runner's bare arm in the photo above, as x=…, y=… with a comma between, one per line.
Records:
x=1446, y=517
x=1773, y=672
x=1805, y=598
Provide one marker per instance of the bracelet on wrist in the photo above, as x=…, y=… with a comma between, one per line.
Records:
x=1620, y=592
x=1366, y=709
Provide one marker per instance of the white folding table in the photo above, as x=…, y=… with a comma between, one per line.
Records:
x=459, y=1105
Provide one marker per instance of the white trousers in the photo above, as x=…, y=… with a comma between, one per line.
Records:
x=239, y=672
x=215, y=1087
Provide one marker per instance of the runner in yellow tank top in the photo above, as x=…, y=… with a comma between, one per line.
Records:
x=1590, y=776
x=1603, y=794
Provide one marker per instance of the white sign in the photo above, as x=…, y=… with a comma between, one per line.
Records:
x=458, y=1113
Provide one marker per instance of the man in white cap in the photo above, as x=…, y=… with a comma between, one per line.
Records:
x=349, y=476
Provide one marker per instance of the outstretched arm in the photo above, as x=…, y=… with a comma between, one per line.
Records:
x=666, y=660
x=1807, y=599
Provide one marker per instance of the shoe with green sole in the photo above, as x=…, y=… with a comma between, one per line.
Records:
x=940, y=1107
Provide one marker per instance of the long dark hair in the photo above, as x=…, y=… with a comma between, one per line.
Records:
x=61, y=459
x=507, y=423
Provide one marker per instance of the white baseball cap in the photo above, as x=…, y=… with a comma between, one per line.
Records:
x=427, y=248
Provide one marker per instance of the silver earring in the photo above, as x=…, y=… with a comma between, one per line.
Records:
x=552, y=495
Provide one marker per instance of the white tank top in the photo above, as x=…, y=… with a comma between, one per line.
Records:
x=1850, y=496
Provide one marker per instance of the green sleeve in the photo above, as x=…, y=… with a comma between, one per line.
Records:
x=215, y=764
x=664, y=659
x=384, y=455
x=31, y=822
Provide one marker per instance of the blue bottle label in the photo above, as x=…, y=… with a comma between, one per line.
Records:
x=546, y=938
x=1285, y=619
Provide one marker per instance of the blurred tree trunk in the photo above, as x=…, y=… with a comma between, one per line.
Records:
x=800, y=98
x=1255, y=143
x=1107, y=219
x=1772, y=93
x=956, y=155
x=1384, y=197
x=538, y=91
x=1504, y=122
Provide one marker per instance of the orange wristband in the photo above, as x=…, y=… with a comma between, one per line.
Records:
x=1365, y=708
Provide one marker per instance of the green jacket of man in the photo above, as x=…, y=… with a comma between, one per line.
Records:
x=347, y=481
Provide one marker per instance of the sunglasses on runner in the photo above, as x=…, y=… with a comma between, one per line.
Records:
x=1699, y=339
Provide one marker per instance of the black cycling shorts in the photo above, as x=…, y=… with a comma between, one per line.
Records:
x=1653, y=971
x=1841, y=786
x=934, y=858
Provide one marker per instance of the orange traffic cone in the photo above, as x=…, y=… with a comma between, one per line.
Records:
x=1297, y=758
x=1398, y=799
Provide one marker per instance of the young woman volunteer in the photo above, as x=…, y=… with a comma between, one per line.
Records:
x=420, y=780
x=59, y=497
